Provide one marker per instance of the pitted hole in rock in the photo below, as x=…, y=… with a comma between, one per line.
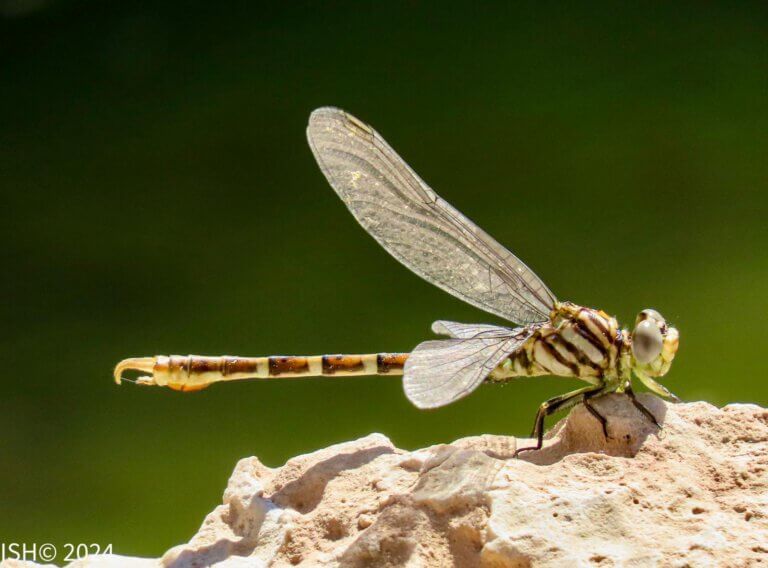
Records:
x=507, y=559
x=334, y=529
x=466, y=542
x=290, y=549
x=388, y=541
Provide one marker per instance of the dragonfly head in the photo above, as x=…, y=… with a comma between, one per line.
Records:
x=654, y=344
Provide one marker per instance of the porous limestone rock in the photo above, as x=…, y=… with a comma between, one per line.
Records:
x=692, y=494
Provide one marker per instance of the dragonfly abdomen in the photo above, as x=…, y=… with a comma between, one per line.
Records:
x=195, y=372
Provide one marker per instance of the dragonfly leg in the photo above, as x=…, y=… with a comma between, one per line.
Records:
x=594, y=412
x=656, y=387
x=640, y=406
x=551, y=406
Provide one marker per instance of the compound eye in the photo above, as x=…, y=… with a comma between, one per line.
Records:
x=646, y=341
x=650, y=314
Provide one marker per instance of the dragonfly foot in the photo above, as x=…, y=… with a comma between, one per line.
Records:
x=143, y=364
x=529, y=449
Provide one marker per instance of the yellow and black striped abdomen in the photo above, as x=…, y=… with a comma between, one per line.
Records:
x=193, y=372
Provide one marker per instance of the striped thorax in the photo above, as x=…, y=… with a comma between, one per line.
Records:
x=588, y=344
x=577, y=342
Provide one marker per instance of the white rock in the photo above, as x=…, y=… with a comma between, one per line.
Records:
x=693, y=494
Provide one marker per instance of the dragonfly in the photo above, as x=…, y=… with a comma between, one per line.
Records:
x=441, y=245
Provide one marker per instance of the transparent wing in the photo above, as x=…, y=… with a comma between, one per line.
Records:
x=417, y=227
x=440, y=372
x=470, y=330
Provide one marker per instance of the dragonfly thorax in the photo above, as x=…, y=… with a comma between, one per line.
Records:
x=577, y=342
x=588, y=344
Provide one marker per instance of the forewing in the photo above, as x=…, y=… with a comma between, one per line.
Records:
x=440, y=372
x=417, y=227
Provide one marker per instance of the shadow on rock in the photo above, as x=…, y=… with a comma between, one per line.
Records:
x=581, y=432
x=305, y=492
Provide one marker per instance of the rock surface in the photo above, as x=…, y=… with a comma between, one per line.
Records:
x=692, y=494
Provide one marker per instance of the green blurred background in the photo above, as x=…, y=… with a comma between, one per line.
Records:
x=158, y=196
